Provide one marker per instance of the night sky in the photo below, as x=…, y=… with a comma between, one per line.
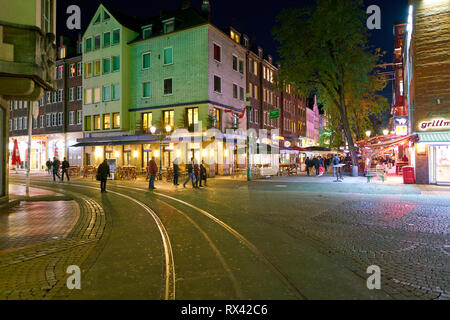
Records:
x=252, y=17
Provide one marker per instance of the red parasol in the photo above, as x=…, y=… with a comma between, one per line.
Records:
x=15, y=159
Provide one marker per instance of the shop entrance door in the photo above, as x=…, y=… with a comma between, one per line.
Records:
x=442, y=164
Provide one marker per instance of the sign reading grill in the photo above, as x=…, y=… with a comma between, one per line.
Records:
x=274, y=114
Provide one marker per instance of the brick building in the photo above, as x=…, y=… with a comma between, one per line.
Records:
x=58, y=120
x=427, y=90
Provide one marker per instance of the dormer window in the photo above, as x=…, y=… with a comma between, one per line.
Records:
x=146, y=32
x=236, y=37
x=62, y=52
x=246, y=44
x=169, y=25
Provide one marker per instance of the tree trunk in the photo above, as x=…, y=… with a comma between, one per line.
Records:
x=347, y=131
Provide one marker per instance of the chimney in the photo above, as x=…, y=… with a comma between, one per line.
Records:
x=185, y=4
x=206, y=9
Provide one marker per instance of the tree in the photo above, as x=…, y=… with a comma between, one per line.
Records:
x=324, y=49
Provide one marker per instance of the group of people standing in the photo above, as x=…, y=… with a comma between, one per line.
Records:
x=53, y=168
x=196, y=173
x=322, y=165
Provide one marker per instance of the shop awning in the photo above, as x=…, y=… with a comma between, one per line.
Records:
x=434, y=137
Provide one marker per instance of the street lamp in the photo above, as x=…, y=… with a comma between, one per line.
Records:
x=368, y=133
x=385, y=132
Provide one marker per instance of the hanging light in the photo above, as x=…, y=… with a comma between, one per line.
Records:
x=153, y=129
x=368, y=133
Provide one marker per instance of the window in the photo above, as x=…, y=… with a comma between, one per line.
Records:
x=255, y=91
x=15, y=123
x=146, y=33
x=217, y=118
x=88, y=45
x=88, y=96
x=47, y=120
x=147, y=119
x=19, y=127
x=10, y=125
x=25, y=123
x=71, y=94
x=59, y=72
x=168, y=56
x=116, y=36
x=255, y=67
x=54, y=97
x=98, y=19
x=235, y=63
x=115, y=92
x=97, y=42
x=116, y=120
x=60, y=118
x=217, y=53
x=97, y=122
x=168, y=86
x=146, y=90
x=60, y=95
x=192, y=116
x=71, y=118
x=107, y=93
x=79, y=116
x=106, y=65
x=88, y=70
x=97, y=68
x=168, y=118
x=72, y=70
x=106, y=39
x=169, y=27
x=105, y=16
x=47, y=17
x=241, y=93
x=79, y=91
x=217, y=84
x=87, y=123
x=115, y=63
x=79, y=47
x=241, y=66
x=106, y=121
x=146, y=60
x=79, y=68
x=235, y=91
x=97, y=95
x=54, y=119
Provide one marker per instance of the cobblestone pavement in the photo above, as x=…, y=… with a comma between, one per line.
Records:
x=321, y=236
x=40, y=239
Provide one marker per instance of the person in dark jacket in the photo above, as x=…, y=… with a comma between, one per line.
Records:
x=65, y=169
x=203, y=174
x=316, y=163
x=308, y=165
x=176, y=172
x=103, y=174
x=197, y=174
x=152, y=171
x=337, y=170
x=190, y=170
x=55, y=166
x=49, y=166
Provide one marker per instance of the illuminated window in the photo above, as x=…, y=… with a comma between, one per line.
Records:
x=192, y=116
x=62, y=52
x=88, y=70
x=97, y=68
x=72, y=70
x=97, y=95
x=255, y=67
x=147, y=119
x=116, y=121
x=106, y=121
x=88, y=96
x=217, y=118
x=97, y=122
x=168, y=117
x=79, y=68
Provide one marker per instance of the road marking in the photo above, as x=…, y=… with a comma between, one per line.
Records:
x=280, y=186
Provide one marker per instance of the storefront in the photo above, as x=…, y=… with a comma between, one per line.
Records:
x=432, y=158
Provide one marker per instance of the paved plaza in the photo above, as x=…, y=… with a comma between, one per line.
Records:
x=282, y=238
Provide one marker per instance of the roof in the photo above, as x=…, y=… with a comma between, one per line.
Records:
x=133, y=23
x=184, y=19
x=434, y=137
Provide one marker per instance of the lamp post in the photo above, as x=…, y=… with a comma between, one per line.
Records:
x=162, y=135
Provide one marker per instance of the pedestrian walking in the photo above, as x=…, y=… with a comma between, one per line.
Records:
x=55, y=166
x=308, y=165
x=337, y=170
x=190, y=170
x=176, y=172
x=65, y=169
x=49, y=165
x=316, y=165
x=196, y=173
x=102, y=174
x=203, y=174
x=152, y=171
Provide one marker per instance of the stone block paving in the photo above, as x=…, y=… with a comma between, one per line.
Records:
x=408, y=240
x=38, y=271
